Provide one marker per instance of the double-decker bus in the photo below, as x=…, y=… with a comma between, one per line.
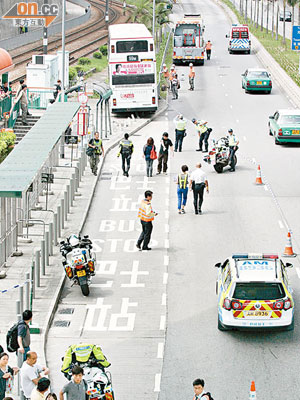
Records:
x=132, y=68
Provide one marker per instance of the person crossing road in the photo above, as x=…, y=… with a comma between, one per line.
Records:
x=126, y=150
x=233, y=147
x=203, y=133
x=180, y=125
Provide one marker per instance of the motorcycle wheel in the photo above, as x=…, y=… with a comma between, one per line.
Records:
x=85, y=289
x=218, y=168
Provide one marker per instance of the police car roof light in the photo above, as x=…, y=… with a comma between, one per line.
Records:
x=272, y=256
x=254, y=256
x=244, y=255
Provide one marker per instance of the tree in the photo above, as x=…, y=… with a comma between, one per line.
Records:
x=277, y=19
x=262, y=16
x=142, y=12
x=283, y=32
x=267, y=21
x=292, y=3
x=273, y=14
x=161, y=17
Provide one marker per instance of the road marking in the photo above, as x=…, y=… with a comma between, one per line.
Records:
x=167, y=201
x=245, y=138
x=160, y=350
x=134, y=276
x=253, y=159
x=226, y=94
x=157, y=383
x=164, y=299
x=223, y=84
x=166, y=260
x=162, y=323
x=167, y=213
x=167, y=244
x=237, y=120
x=165, y=278
x=298, y=272
x=280, y=224
x=167, y=189
x=108, y=284
x=167, y=228
x=230, y=106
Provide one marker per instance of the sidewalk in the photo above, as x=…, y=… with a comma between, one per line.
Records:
x=286, y=84
x=47, y=295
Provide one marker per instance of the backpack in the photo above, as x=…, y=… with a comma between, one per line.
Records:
x=208, y=395
x=12, y=338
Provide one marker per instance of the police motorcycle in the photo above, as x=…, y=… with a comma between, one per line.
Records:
x=98, y=381
x=78, y=261
x=219, y=155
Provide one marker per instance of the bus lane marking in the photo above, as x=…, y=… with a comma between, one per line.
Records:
x=134, y=276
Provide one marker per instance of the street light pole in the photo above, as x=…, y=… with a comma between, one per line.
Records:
x=106, y=12
x=45, y=36
x=63, y=34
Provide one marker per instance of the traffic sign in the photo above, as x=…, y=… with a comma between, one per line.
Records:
x=82, y=98
x=296, y=38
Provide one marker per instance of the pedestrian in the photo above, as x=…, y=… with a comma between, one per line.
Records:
x=163, y=156
x=203, y=133
x=24, y=104
x=8, y=398
x=166, y=75
x=76, y=389
x=126, y=150
x=51, y=396
x=208, y=49
x=150, y=155
x=198, y=385
x=192, y=77
x=31, y=373
x=172, y=74
x=180, y=131
x=21, y=82
x=97, y=145
x=6, y=89
x=182, y=188
x=233, y=147
x=57, y=89
x=6, y=375
x=24, y=333
x=39, y=392
x=198, y=182
x=175, y=85
x=146, y=215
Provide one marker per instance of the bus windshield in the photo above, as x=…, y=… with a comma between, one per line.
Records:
x=132, y=46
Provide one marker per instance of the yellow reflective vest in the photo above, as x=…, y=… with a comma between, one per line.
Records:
x=145, y=211
x=81, y=353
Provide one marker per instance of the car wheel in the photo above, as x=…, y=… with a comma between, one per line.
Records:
x=290, y=327
x=221, y=327
x=276, y=141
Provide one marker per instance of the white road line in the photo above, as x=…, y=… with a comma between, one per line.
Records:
x=157, y=383
x=266, y=188
x=160, y=350
x=167, y=244
x=167, y=201
x=230, y=106
x=166, y=260
x=226, y=94
x=245, y=138
x=280, y=224
x=253, y=159
x=164, y=299
x=237, y=120
x=165, y=278
x=162, y=323
x=167, y=189
x=167, y=213
x=167, y=228
x=298, y=272
x=223, y=84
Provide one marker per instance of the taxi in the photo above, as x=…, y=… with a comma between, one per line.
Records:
x=253, y=292
x=256, y=80
x=284, y=126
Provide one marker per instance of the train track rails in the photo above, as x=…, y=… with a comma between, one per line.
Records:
x=76, y=41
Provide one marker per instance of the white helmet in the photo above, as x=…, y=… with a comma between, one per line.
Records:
x=173, y=65
x=164, y=65
x=191, y=64
x=73, y=240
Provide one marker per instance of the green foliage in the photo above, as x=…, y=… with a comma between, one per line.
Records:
x=98, y=55
x=72, y=73
x=84, y=61
x=103, y=49
x=7, y=139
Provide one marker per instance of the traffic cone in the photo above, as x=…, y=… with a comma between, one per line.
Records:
x=252, y=395
x=258, y=180
x=288, y=251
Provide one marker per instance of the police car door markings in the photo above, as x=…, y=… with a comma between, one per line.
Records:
x=110, y=225
x=120, y=181
x=124, y=314
x=134, y=276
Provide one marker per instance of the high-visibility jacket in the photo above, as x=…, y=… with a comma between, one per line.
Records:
x=192, y=72
x=126, y=147
x=182, y=181
x=166, y=72
x=145, y=211
x=200, y=127
x=208, y=46
x=172, y=74
x=98, y=146
x=233, y=140
x=81, y=353
x=180, y=124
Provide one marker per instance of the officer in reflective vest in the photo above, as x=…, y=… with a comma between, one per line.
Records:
x=97, y=145
x=192, y=77
x=203, y=133
x=82, y=353
x=233, y=146
x=146, y=215
x=126, y=150
x=182, y=189
x=180, y=125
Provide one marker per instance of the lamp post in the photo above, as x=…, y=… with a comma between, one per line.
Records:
x=106, y=13
x=153, y=21
x=63, y=37
x=45, y=36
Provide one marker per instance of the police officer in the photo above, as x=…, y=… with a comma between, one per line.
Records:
x=146, y=215
x=97, y=145
x=233, y=146
x=180, y=125
x=126, y=150
x=203, y=133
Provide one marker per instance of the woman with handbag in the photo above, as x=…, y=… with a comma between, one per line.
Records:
x=6, y=375
x=150, y=155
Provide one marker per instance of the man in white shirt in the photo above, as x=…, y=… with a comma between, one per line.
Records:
x=198, y=182
x=30, y=373
x=233, y=146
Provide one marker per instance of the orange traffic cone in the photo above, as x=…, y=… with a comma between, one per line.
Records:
x=252, y=395
x=288, y=251
x=258, y=180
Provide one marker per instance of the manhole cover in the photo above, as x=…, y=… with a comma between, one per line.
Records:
x=66, y=311
x=62, y=324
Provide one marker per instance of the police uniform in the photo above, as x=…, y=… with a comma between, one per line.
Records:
x=126, y=150
x=180, y=125
x=233, y=146
x=203, y=135
x=95, y=158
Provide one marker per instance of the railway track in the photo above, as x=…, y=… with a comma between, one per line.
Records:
x=76, y=40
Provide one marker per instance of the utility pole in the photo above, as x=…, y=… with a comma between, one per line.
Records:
x=153, y=21
x=45, y=36
x=106, y=12
x=63, y=39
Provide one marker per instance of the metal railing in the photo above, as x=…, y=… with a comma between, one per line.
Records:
x=170, y=35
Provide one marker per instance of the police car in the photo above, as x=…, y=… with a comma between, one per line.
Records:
x=253, y=292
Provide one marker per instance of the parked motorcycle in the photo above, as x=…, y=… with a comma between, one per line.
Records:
x=219, y=154
x=78, y=261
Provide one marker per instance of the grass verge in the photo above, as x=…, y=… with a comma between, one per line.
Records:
x=168, y=61
x=286, y=58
